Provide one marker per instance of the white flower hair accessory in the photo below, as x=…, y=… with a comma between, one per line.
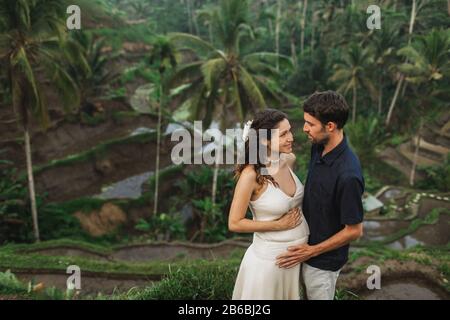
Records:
x=246, y=130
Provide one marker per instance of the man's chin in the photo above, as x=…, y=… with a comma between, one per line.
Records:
x=316, y=142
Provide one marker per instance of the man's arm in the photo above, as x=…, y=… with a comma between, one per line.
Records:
x=304, y=252
x=349, y=192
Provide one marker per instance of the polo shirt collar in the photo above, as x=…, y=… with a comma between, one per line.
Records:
x=331, y=156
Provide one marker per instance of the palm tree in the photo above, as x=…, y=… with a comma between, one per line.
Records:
x=224, y=77
x=278, y=30
x=205, y=14
x=427, y=70
x=192, y=23
x=303, y=24
x=383, y=46
x=344, y=24
x=290, y=18
x=267, y=12
x=31, y=36
x=90, y=72
x=353, y=73
x=401, y=77
x=162, y=56
x=364, y=136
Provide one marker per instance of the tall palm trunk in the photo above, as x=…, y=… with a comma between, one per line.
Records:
x=210, y=33
x=394, y=99
x=303, y=23
x=293, y=48
x=416, y=154
x=189, y=13
x=313, y=29
x=158, y=147
x=269, y=20
x=380, y=94
x=402, y=76
x=354, y=105
x=214, y=183
x=196, y=27
x=218, y=152
x=277, y=32
x=270, y=27
x=34, y=213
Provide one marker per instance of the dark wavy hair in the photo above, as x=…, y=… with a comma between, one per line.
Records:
x=267, y=119
x=328, y=106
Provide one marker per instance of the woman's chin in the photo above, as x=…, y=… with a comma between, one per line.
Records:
x=286, y=150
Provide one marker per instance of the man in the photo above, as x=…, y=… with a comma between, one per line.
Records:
x=332, y=203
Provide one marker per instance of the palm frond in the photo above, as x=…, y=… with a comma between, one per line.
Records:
x=270, y=58
x=19, y=63
x=212, y=71
x=185, y=73
x=188, y=41
x=251, y=89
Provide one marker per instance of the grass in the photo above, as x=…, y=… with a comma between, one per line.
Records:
x=421, y=254
x=89, y=204
x=94, y=152
x=35, y=261
x=431, y=218
x=21, y=256
x=343, y=294
x=13, y=288
x=200, y=281
x=437, y=256
x=181, y=280
x=187, y=279
x=69, y=243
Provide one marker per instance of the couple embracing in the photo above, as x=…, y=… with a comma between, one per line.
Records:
x=299, y=231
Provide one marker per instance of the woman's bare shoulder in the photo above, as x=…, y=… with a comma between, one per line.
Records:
x=249, y=173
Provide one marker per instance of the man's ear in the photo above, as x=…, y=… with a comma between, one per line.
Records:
x=331, y=126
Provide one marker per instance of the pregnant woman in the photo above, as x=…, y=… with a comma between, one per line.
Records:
x=269, y=197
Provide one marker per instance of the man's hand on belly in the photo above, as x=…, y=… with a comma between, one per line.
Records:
x=304, y=252
x=296, y=255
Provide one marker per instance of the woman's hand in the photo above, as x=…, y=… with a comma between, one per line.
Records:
x=290, y=220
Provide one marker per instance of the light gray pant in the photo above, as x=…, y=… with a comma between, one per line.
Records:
x=320, y=284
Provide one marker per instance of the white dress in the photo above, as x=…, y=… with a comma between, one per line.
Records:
x=259, y=278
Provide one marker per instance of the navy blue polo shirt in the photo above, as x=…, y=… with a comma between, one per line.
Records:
x=333, y=198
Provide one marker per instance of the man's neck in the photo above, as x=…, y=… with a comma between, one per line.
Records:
x=334, y=141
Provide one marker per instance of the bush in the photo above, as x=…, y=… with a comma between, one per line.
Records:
x=364, y=136
x=437, y=177
x=213, y=223
x=15, y=218
x=167, y=227
x=203, y=281
x=210, y=222
x=15, y=212
x=9, y=284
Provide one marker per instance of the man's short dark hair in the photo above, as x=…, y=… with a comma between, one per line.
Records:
x=328, y=106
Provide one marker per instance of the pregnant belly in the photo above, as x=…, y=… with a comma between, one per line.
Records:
x=301, y=231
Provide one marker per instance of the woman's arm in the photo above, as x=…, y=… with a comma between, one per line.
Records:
x=241, y=199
